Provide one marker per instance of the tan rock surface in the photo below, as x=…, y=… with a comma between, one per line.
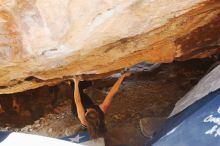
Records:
x=46, y=42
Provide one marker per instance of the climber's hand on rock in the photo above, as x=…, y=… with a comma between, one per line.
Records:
x=126, y=74
x=77, y=78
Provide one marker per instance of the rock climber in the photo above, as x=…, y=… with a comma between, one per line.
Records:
x=92, y=116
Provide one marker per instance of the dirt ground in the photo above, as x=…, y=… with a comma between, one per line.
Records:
x=143, y=94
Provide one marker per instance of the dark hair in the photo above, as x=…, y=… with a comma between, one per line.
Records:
x=96, y=124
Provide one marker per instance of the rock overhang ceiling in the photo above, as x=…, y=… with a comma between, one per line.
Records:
x=47, y=42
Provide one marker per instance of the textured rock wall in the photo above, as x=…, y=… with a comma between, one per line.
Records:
x=47, y=42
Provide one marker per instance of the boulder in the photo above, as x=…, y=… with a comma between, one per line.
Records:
x=47, y=42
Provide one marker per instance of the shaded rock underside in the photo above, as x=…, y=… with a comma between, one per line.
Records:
x=144, y=94
x=189, y=29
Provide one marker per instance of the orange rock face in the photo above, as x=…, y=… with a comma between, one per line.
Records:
x=47, y=42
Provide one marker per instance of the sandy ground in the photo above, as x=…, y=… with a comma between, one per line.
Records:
x=144, y=94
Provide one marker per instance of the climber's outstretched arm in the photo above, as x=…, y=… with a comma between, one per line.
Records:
x=108, y=99
x=79, y=106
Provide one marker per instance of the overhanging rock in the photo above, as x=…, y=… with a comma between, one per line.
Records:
x=47, y=42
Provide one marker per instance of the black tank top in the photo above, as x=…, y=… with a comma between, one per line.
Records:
x=85, y=99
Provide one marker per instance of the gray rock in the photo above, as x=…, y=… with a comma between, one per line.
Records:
x=150, y=125
x=72, y=130
x=50, y=130
x=30, y=130
x=37, y=122
x=37, y=125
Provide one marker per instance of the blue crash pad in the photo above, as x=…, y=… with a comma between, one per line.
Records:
x=22, y=139
x=78, y=138
x=197, y=125
x=16, y=138
x=82, y=138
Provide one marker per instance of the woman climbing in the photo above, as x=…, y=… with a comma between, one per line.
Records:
x=91, y=115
